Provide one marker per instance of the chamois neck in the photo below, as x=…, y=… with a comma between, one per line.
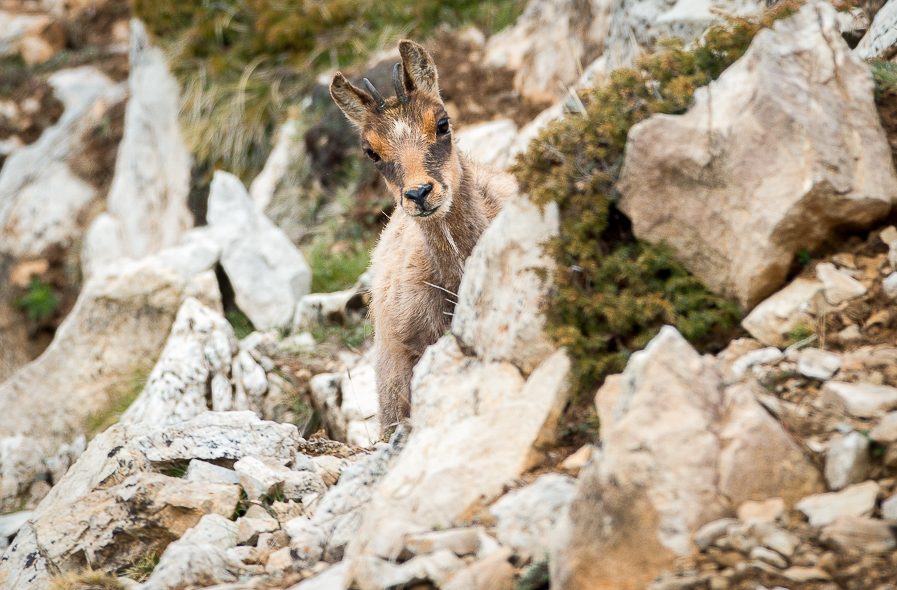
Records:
x=450, y=240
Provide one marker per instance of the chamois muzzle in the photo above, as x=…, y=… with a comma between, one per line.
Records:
x=418, y=195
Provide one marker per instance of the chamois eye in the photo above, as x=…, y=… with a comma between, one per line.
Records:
x=372, y=154
x=442, y=127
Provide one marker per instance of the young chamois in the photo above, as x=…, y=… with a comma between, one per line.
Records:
x=444, y=202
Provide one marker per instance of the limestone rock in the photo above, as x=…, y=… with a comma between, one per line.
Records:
x=145, y=512
x=710, y=532
x=771, y=510
x=340, y=510
x=856, y=500
x=525, y=517
x=333, y=578
x=197, y=557
x=152, y=172
x=36, y=37
x=287, y=148
x=268, y=274
x=859, y=534
x=192, y=369
x=763, y=356
x=487, y=143
x=532, y=130
x=889, y=509
x=371, y=573
x=847, y=460
x=341, y=307
x=818, y=364
x=637, y=25
x=11, y=523
x=306, y=541
x=636, y=508
x=23, y=566
x=881, y=38
x=260, y=479
x=838, y=286
x=41, y=198
x=251, y=528
x=491, y=573
x=548, y=45
x=735, y=214
x=360, y=405
x=885, y=432
x=463, y=448
x=117, y=328
x=462, y=541
x=501, y=288
x=772, y=319
x=201, y=471
x=862, y=400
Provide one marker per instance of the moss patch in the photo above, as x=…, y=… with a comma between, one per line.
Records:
x=613, y=291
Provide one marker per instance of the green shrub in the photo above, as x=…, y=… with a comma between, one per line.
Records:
x=335, y=272
x=884, y=73
x=614, y=292
x=39, y=302
x=241, y=323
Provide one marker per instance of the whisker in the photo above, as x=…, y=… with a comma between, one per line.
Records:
x=455, y=295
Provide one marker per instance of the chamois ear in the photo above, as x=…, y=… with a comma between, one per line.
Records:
x=418, y=69
x=353, y=101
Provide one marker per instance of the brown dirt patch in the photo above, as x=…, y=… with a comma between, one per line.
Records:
x=478, y=92
x=95, y=162
x=37, y=108
x=93, y=26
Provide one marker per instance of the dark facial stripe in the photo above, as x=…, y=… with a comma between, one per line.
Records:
x=437, y=155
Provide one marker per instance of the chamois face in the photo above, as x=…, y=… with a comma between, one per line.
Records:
x=409, y=137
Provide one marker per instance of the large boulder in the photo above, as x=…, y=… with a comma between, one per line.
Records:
x=758, y=170
x=113, y=335
x=268, y=274
x=679, y=450
x=152, y=173
x=549, y=43
x=637, y=25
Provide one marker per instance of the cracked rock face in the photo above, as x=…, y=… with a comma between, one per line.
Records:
x=636, y=508
x=757, y=170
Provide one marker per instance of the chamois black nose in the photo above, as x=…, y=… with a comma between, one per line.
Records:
x=419, y=193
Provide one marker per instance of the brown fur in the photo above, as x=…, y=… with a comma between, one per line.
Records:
x=418, y=262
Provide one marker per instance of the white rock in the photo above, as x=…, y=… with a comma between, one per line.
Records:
x=268, y=274
x=838, y=286
x=203, y=471
x=341, y=307
x=329, y=468
x=771, y=510
x=710, y=532
x=333, y=578
x=460, y=541
x=487, y=143
x=735, y=213
x=152, y=171
x=879, y=40
x=531, y=131
x=501, y=288
x=372, y=573
x=763, y=356
x=104, y=243
x=852, y=534
x=769, y=556
x=340, y=510
x=11, y=523
x=259, y=479
x=889, y=509
x=770, y=321
x=889, y=285
x=856, y=500
x=525, y=517
x=885, y=432
x=818, y=364
x=306, y=541
x=287, y=148
x=249, y=528
x=847, y=460
x=198, y=351
x=862, y=400
x=360, y=406
x=22, y=565
x=548, y=45
x=41, y=199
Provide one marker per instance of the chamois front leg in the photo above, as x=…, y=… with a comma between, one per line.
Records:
x=393, y=368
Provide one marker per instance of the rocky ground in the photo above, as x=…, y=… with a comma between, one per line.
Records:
x=175, y=444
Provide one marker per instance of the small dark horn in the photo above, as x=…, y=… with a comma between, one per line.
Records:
x=377, y=97
x=397, y=82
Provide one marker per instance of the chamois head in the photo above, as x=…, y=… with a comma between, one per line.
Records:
x=408, y=136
